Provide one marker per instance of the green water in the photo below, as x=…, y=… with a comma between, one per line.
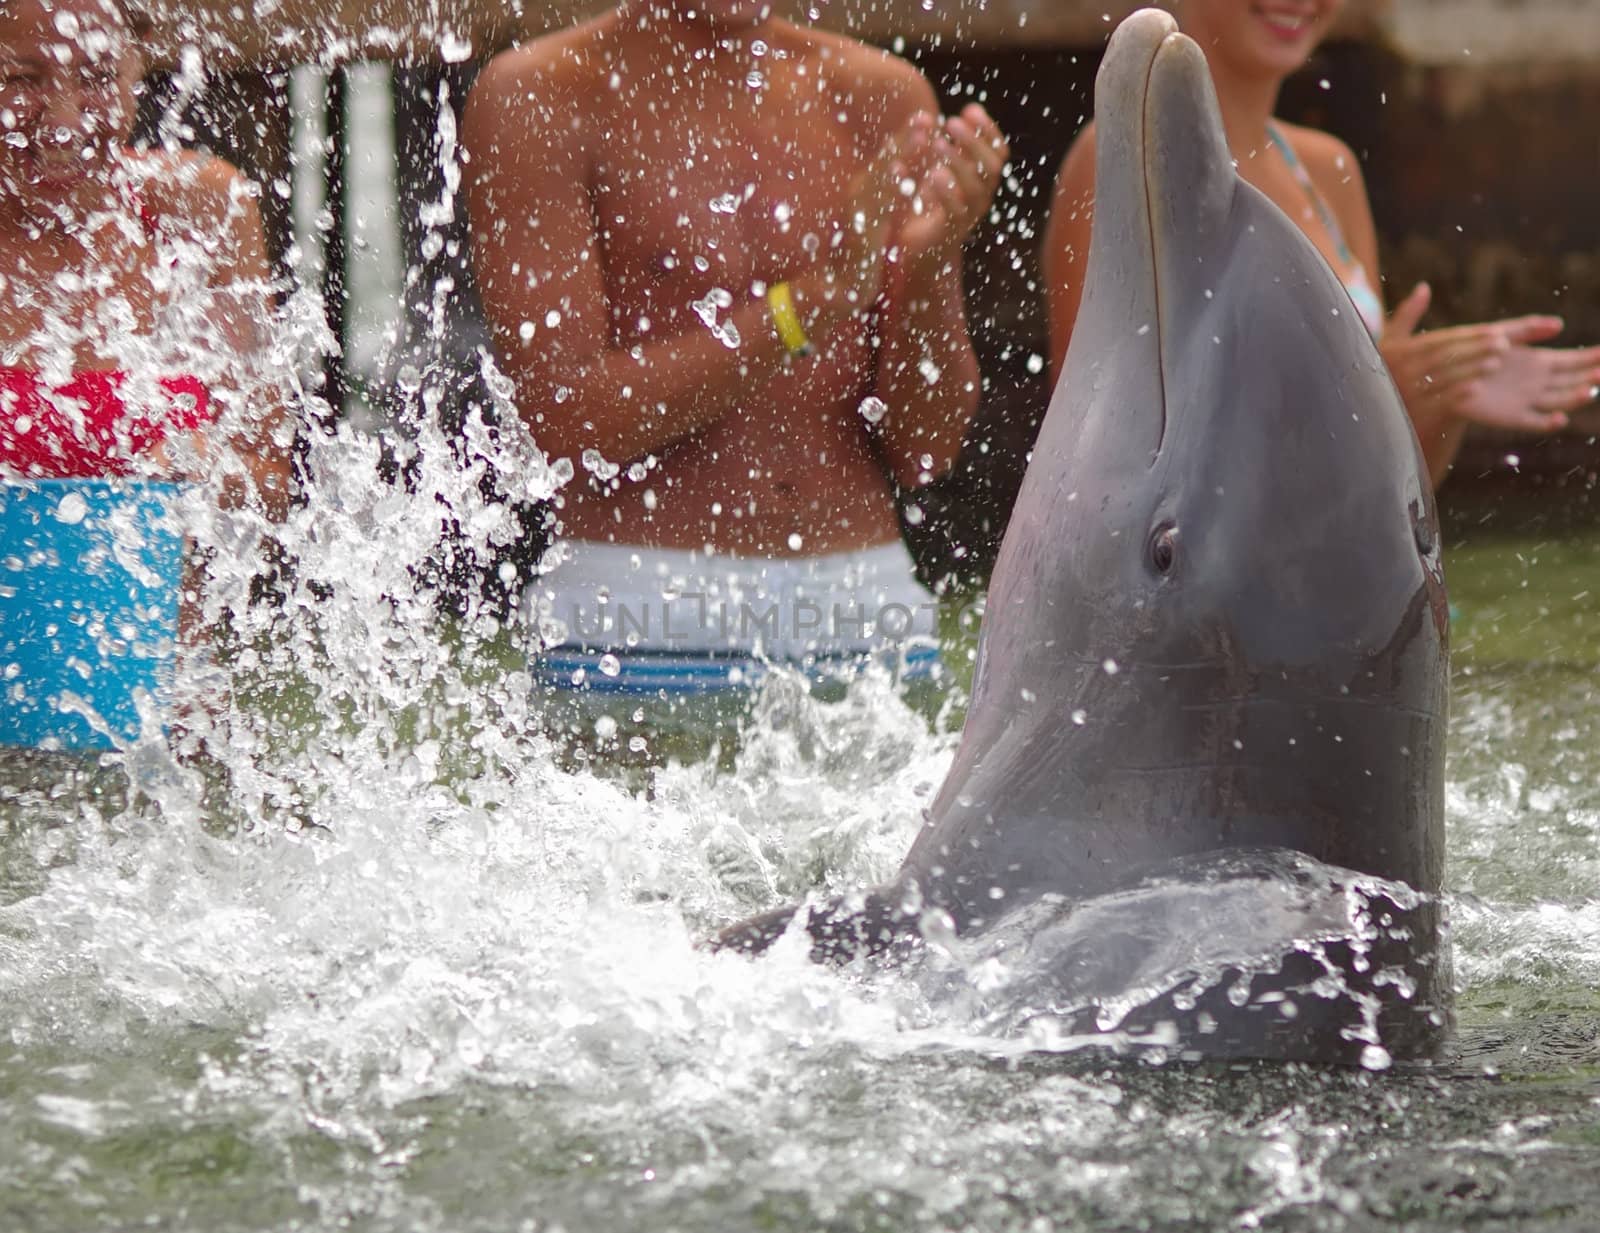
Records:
x=468, y=997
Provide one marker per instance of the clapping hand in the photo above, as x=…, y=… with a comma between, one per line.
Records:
x=953, y=171
x=863, y=235
x=1491, y=373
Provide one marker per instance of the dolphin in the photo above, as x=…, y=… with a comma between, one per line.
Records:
x=1215, y=646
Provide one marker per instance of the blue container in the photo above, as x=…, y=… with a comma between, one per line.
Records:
x=90, y=575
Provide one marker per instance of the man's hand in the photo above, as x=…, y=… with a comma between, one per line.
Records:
x=861, y=238
x=955, y=169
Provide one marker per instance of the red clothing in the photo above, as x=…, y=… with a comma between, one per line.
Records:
x=84, y=428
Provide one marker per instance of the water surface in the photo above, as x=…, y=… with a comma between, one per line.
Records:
x=391, y=961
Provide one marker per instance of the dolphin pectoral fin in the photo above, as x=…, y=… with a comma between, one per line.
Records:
x=846, y=929
x=1232, y=953
x=755, y=935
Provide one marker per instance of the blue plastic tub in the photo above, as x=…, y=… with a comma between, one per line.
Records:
x=90, y=573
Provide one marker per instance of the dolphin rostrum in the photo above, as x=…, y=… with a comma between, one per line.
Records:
x=1215, y=646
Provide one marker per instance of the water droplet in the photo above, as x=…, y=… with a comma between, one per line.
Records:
x=72, y=509
x=872, y=409
x=1079, y=717
x=610, y=665
x=1110, y=668
x=595, y=463
x=796, y=542
x=552, y=319
x=706, y=309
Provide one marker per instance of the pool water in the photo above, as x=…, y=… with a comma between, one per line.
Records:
x=388, y=957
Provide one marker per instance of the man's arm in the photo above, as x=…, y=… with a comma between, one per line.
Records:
x=927, y=373
x=536, y=252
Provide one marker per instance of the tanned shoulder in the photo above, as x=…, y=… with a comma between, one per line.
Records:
x=556, y=68
x=1332, y=165
x=535, y=85
x=1076, y=176
x=888, y=83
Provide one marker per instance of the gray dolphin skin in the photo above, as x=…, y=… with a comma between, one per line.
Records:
x=1215, y=641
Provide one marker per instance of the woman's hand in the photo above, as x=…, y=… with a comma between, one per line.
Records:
x=1490, y=373
x=1533, y=389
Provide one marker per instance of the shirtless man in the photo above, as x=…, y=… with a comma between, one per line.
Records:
x=721, y=255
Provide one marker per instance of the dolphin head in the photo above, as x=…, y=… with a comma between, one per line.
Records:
x=1223, y=412
x=1218, y=613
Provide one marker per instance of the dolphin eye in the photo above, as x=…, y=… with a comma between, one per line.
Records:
x=1164, y=547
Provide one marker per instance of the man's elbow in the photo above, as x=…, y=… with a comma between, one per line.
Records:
x=928, y=458
x=930, y=452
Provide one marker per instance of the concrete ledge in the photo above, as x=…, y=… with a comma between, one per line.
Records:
x=1425, y=32
x=1496, y=32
